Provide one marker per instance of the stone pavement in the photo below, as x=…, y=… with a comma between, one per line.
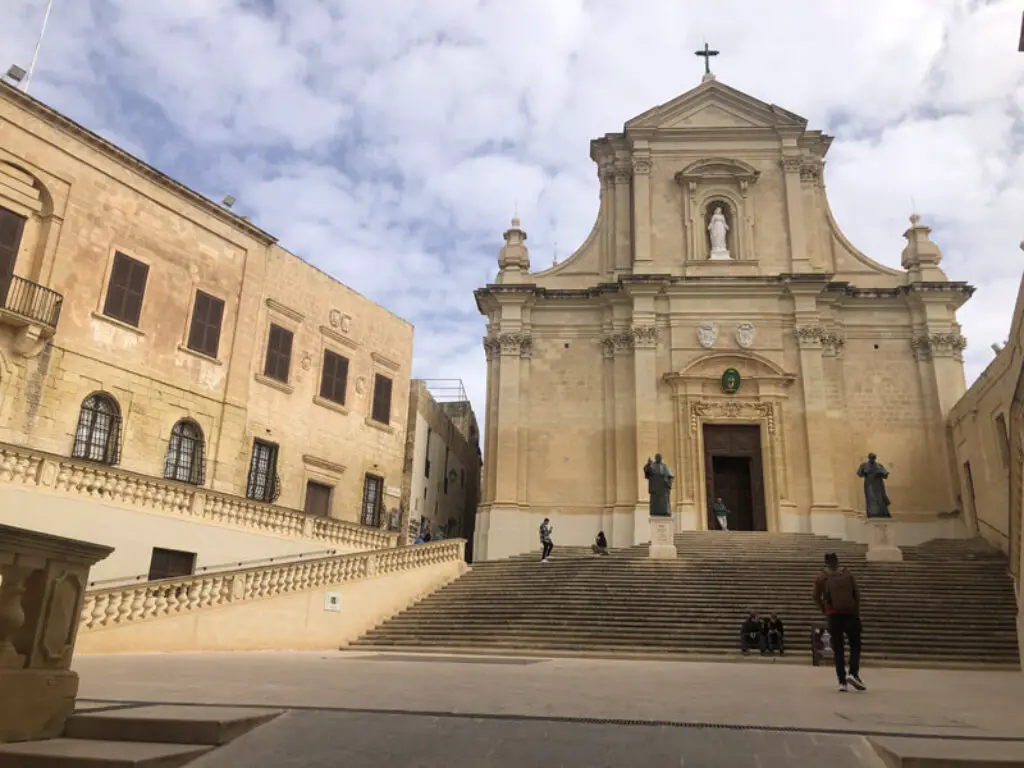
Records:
x=393, y=710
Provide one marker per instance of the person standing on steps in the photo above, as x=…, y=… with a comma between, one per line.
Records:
x=839, y=599
x=721, y=513
x=545, y=540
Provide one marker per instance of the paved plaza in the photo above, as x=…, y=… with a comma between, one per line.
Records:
x=362, y=709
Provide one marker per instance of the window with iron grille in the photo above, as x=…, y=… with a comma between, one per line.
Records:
x=98, y=435
x=381, y=399
x=262, y=485
x=279, y=353
x=185, y=460
x=170, y=563
x=204, y=332
x=334, y=377
x=373, y=492
x=126, y=289
x=318, y=499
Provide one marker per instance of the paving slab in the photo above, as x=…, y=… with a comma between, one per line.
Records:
x=174, y=724
x=936, y=753
x=81, y=752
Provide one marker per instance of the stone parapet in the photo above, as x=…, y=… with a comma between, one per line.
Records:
x=117, y=606
x=50, y=473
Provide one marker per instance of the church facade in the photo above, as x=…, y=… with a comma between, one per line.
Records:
x=717, y=315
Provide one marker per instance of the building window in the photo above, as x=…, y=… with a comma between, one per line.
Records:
x=98, y=435
x=207, y=316
x=318, y=499
x=373, y=492
x=446, y=473
x=1003, y=436
x=334, y=377
x=263, y=484
x=171, y=563
x=126, y=289
x=381, y=399
x=279, y=353
x=11, y=228
x=426, y=464
x=185, y=461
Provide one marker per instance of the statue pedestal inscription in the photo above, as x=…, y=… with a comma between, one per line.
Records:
x=881, y=545
x=663, y=545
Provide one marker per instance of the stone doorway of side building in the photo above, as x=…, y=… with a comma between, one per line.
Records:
x=733, y=470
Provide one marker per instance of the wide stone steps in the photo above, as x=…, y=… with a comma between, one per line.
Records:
x=626, y=603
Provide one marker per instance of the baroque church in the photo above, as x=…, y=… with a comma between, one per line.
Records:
x=717, y=315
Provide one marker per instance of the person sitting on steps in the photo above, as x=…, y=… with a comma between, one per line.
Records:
x=752, y=635
x=600, y=545
x=775, y=635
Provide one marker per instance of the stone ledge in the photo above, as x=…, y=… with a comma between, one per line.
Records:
x=274, y=383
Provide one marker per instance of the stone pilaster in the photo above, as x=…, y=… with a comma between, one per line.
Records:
x=642, y=258
x=795, y=215
x=809, y=337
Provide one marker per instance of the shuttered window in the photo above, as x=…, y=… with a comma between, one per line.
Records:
x=207, y=316
x=171, y=563
x=279, y=353
x=381, y=399
x=126, y=289
x=334, y=377
x=318, y=499
x=11, y=227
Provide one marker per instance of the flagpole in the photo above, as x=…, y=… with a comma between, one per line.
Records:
x=39, y=42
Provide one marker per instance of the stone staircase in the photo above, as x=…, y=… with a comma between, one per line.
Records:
x=950, y=604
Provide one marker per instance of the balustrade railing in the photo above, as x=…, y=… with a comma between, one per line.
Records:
x=31, y=301
x=116, y=606
x=23, y=466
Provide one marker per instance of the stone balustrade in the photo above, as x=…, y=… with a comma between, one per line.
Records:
x=42, y=588
x=71, y=477
x=116, y=606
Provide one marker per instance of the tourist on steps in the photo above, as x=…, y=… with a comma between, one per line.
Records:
x=721, y=513
x=775, y=635
x=600, y=545
x=545, y=539
x=839, y=599
x=752, y=635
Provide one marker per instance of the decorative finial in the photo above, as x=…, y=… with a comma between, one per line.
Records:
x=707, y=53
x=915, y=219
x=515, y=222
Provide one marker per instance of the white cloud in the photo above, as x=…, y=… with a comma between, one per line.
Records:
x=389, y=142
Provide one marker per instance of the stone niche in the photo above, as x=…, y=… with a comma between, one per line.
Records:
x=42, y=588
x=711, y=183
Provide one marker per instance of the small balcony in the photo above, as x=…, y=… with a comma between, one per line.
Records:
x=32, y=308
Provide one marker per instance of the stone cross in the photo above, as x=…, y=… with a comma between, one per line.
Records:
x=707, y=53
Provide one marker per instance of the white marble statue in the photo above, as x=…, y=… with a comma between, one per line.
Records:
x=718, y=228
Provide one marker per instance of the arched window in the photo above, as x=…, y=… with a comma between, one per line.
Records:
x=185, y=454
x=98, y=437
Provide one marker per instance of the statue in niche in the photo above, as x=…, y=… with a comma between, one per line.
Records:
x=718, y=230
x=659, y=485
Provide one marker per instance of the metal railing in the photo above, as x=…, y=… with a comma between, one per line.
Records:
x=31, y=301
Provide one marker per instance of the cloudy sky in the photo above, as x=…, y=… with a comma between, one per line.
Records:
x=388, y=142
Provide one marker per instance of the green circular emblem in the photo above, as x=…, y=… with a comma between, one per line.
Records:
x=731, y=381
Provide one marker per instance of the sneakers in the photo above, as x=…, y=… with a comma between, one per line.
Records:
x=544, y=560
x=856, y=682
x=843, y=688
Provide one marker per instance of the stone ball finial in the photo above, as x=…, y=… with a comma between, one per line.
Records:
x=915, y=219
x=515, y=222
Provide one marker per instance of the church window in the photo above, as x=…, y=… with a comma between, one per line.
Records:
x=185, y=461
x=334, y=377
x=381, y=399
x=279, y=353
x=204, y=333
x=126, y=289
x=98, y=435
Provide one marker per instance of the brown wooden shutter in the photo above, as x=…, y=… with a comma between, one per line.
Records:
x=126, y=289
x=279, y=353
x=318, y=499
x=382, y=399
x=207, y=316
x=334, y=377
x=11, y=228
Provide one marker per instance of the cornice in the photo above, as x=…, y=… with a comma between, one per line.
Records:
x=281, y=309
x=83, y=134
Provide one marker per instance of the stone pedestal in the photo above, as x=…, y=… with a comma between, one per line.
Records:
x=662, y=539
x=881, y=544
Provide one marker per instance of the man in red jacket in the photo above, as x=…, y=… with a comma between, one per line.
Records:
x=837, y=596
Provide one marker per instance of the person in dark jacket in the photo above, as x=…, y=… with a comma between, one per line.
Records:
x=545, y=540
x=838, y=597
x=775, y=635
x=752, y=635
x=600, y=545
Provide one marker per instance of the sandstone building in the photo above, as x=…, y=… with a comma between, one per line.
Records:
x=441, y=482
x=716, y=314
x=165, y=364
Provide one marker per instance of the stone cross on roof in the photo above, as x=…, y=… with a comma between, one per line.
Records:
x=707, y=53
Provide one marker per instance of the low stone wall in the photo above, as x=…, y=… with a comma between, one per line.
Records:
x=315, y=604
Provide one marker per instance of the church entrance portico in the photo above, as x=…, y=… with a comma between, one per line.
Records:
x=733, y=471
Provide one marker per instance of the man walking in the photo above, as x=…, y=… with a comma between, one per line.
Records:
x=545, y=540
x=721, y=513
x=838, y=597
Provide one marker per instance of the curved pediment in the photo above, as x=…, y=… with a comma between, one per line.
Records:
x=751, y=364
x=718, y=169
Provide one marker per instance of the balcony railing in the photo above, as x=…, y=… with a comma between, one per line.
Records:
x=31, y=301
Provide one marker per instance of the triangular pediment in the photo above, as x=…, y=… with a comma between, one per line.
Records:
x=715, y=105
